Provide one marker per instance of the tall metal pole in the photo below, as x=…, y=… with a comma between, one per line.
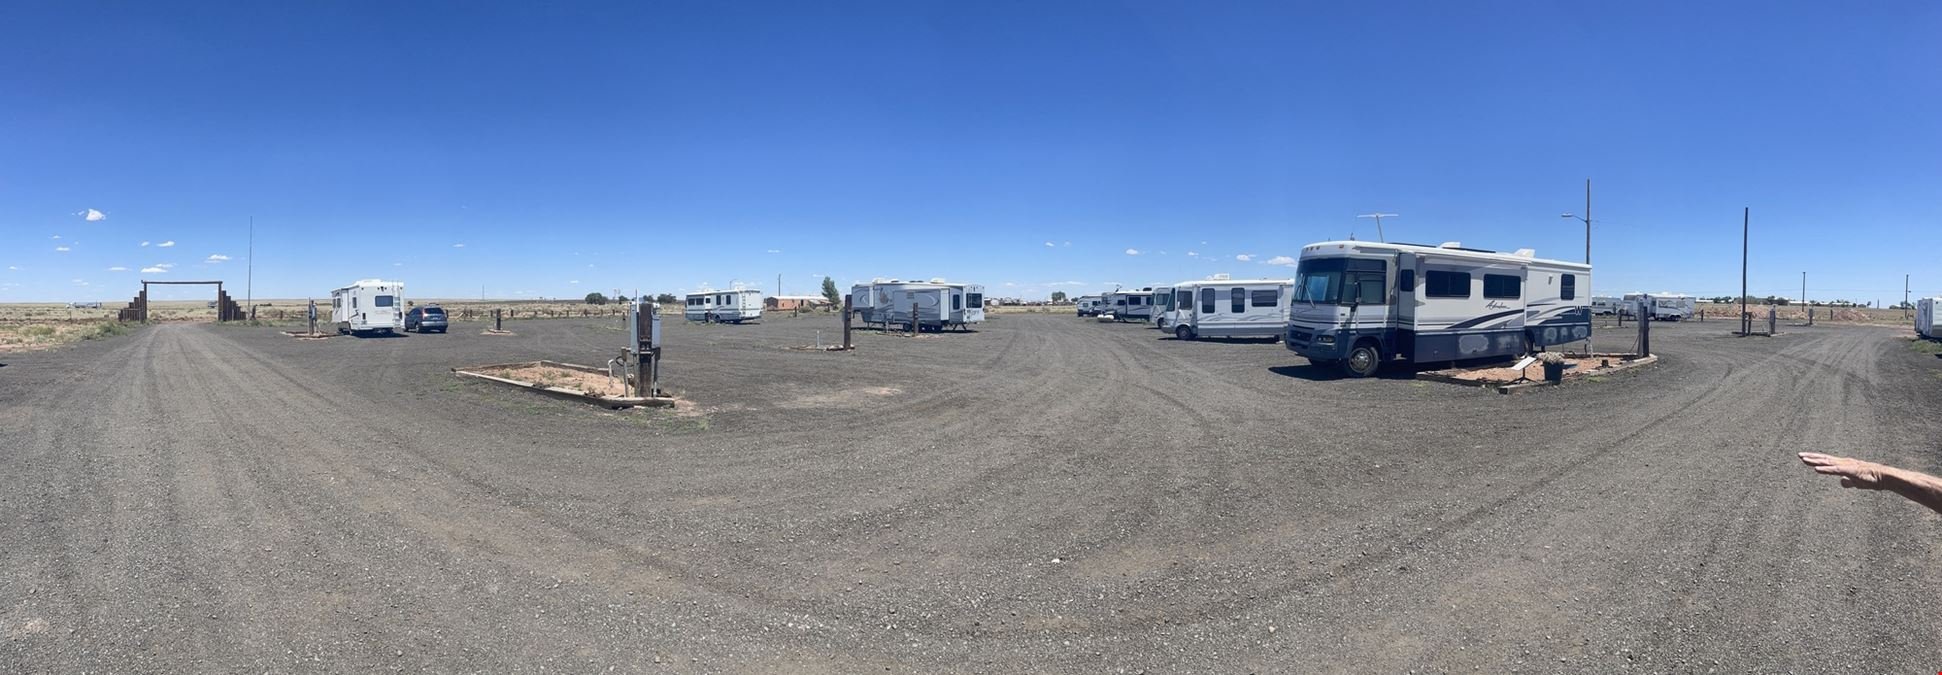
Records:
x=1904, y=296
x=249, y=271
x=1587, y=221
x=1746, y=218
x=1803, y=288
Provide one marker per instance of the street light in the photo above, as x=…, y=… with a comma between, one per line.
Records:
x=1378, y=217
x=1586, y=218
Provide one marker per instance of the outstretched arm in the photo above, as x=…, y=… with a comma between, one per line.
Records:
x=1919, y=487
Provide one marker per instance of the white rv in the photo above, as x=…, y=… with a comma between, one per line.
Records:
x=939, y=304
x=1161, y=302
x=1223, y=307
x=1091, y=305
x=733, y=306
x=1603, y=305
x=1131, y=304
x=1664, y=306
x=369, y=306
x=1925, y=319
x=1360, y=304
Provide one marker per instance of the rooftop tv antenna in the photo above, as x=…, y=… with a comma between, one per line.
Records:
x=1379, y=217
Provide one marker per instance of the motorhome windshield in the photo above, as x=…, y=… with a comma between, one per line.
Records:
x=1163, y=300
x=1320, y=280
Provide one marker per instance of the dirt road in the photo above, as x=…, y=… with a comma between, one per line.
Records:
x=1046, y=494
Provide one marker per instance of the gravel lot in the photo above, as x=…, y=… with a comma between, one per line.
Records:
x=1046, y=494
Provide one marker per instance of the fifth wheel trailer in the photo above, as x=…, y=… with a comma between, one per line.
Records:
x=939, y=304
x=1925, y=319
x=1358, y=304
x=369, y=306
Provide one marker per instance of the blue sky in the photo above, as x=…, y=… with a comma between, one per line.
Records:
x=573, y=147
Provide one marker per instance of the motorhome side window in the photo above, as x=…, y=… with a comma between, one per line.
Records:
x=1446, y=284
x=1502, y=286
x=1265, y=298
x=1406, y=281
x=1237, y=300
x=1183, y=299
x=1206, y=301
x=1568, y=287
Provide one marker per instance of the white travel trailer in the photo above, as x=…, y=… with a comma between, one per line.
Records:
x=1665, y=306
x=369, y=306
x=1925, y=319
x=1605, y=305
x=732, y=306
x=1360, y=304
x=1091, y=305
x=1223, y=307
x=938, y=304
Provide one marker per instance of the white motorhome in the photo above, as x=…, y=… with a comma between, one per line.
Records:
x=369, y=306
x=1091, y=305
x=1603, y=305
x=1664, y=306
x=1161, y=302
x=1360, y=304
x=939, y=304
x=1131, y=305
x=731, y=306
x=1926, y=320
x=1223, y=307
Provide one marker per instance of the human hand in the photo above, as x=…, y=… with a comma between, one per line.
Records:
x=1854, y=473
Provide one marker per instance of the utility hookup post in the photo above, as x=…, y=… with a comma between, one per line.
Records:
x=313, y=317
x=846, y=323
x=913, y=318
x=645, y=322
x=1773, y=319
x=498, y=319
x=1645, y=330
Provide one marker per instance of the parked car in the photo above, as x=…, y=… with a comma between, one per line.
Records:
x=426, y=319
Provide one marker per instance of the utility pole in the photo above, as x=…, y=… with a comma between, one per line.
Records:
x=1746, y=218
x=1378, y=217
x=249, y=272
x=1586, y=218
x=1904, y=296
x=1803, y=288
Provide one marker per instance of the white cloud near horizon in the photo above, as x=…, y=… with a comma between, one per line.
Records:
x=92, y=215
x=775, y=250
x=166, y=244
x=458, y=246
x=117, y=268
x=1282, y=260
x=60, y=249
x=1245, y=257
x=144, y=244
x=216, y=258
x=154, y=270
x=1050, y=245
x=1132, y=251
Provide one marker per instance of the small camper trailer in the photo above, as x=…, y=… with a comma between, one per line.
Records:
x=1605, y=305
x=1222, y=307
x=1664, y=306
x=369, y=306
x=1090, y=305
x=1925, y=319
x=1358, y=304
x=733, y=306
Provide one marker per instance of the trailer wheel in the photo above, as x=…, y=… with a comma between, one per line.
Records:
x=1364, y=359
x=1183, y=332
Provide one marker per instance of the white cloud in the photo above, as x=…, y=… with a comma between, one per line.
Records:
x=575, y=281
x=117, y=268
x=60, y=249
x=397, y=264
x=1050, y=245
x=1193, y=254
x=458, y=246
x=167, y=244
x=1282, y=260
x=216, y=258
x=1011, y=283
x=57, y=236
x=1068, y=243
x=155, y=270
x=92, y=215
x=1244, y=257
x=1065, y=283
x=775, y=250
x=144, y=244
x=1132, y=251
x=12, y=268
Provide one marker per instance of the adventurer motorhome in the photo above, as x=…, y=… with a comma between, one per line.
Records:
x=1665, y=306
x=938, y=304
x=734, y=306
x=1605, y=305
x=1131, y=305
x=1090, y=305
x=1359, y=304
x=1222, y=307
x=1925, y=319
x=371, y=305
